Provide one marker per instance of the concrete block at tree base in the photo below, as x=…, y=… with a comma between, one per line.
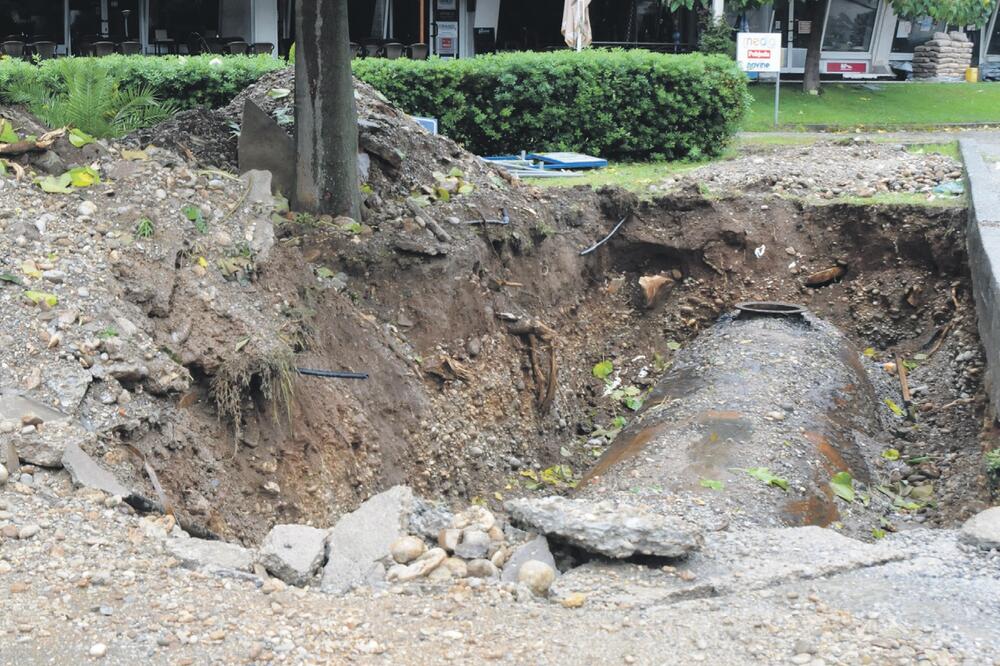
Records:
x=264, y=145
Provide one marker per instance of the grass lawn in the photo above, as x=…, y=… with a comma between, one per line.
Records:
x=635, y=176
x=875, y=105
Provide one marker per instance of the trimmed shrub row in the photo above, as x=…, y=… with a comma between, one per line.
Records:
x=189, y=81
x=613, y=103
x=616, y=104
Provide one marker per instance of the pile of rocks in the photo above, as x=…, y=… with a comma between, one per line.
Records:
x=946, y=57
x=392, y=538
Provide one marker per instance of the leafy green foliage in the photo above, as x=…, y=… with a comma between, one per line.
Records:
x=79, y=138
x=89, y=97
x=75, y=178
x=842, y=484
x=187, y=81
x=712, y=484
x=7, y=133
x=613, y=103
x=992, y=463
x=603, y=369
x=717, y=36
x=194, y=214
x=766, y=476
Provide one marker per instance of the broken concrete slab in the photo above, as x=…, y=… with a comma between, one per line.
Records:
x=85, y=471
x=293, y=553
x=14, y=407
x=536, y=549
x=361, y=539
x=609, y=528
x=264, y=145
x=209, y=555
x=729, y=563
x=983, y=529
x=69, y=386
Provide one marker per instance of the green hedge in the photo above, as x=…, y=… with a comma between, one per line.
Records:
x=189, y=80
x=612, y=103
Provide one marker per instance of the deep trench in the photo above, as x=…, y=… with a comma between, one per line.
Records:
x=904, y=290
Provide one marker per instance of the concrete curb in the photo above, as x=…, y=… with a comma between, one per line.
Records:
x=983, y=239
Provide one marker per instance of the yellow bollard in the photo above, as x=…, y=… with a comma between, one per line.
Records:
x=972, y=74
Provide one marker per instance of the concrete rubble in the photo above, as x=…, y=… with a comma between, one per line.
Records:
x=293, y=553
x=607, y=528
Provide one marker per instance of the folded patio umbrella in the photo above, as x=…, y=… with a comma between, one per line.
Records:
x=576, y=24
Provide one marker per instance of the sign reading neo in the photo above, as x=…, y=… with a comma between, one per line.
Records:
x=759, y=51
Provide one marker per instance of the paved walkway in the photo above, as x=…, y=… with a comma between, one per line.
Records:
x=936, y=136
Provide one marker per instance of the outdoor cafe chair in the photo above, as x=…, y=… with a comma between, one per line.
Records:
x=161, y=40
x=44, y=50
x=262, y=48
x=131, y=48
x=237, y=48
x=102, y=48
x=393, y=50
x=419, y=51
x=14, y=49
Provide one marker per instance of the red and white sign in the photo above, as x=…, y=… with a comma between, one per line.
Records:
x=846, y=67
x=759, y=51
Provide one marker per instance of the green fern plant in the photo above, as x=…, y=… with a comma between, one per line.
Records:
x=91, y=99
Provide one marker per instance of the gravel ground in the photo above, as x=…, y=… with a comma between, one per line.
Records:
x=828, y=169
x=92, y=585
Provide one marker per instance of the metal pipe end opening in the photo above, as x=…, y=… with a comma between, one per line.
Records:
x=769, y=309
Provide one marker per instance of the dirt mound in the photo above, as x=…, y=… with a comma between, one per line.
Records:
x=403, y=159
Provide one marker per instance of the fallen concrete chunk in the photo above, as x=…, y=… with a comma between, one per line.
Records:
x=607, y=528
x=13, y=407
x=536, y=549
x=209, y=555
x=359, y=540
x=293, y=553
x=983, y=529
x=85, y=471
x=44, y=446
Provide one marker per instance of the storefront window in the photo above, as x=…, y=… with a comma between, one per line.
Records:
x=911, y=34
x=849, y=25
x=39, y=21
x=994, y=45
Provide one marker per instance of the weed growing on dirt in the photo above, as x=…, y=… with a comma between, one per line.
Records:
x=273, y=371
x=145, y=229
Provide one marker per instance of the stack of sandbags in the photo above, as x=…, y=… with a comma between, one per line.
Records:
x=946, y=57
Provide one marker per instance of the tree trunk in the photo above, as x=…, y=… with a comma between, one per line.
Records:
x=326, y=120
x=810, y=78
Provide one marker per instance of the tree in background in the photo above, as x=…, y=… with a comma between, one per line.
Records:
x=326, y=118
x=956, y=13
